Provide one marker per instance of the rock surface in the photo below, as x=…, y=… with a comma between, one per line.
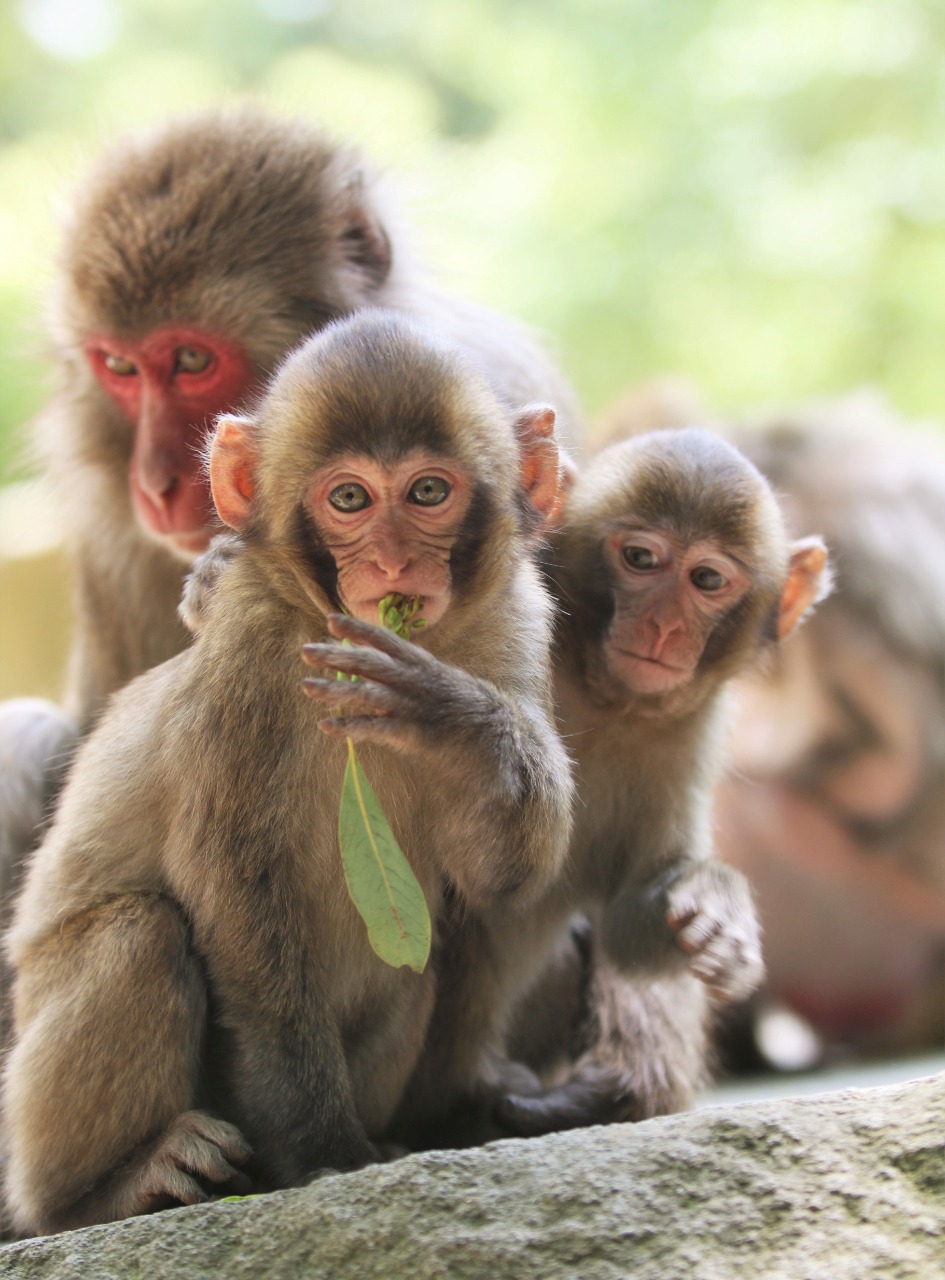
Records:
x=847, y=1184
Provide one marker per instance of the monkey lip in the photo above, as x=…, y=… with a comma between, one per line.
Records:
x=647, y=675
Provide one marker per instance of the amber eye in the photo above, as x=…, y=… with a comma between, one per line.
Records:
x=349, y=497
x=707, y=579
x=119, y=365
x=641, y=558
x=191, y=360
x=428, y=491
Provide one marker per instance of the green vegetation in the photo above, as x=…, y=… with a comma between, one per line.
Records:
x=747, y=192
x=380, y=880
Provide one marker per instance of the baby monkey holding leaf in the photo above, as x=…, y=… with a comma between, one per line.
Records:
x=195, y=993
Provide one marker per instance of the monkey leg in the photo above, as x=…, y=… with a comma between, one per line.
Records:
x=110, y=1009
x=644, y=1046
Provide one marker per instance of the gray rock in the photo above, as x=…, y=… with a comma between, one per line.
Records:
x=847, y=1184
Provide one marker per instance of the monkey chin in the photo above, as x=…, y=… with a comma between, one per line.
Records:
x=645, y=675
x=183, y=544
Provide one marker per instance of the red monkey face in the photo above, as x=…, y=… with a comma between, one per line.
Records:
x=170, y=385
x=390, y=527
x=669, y=596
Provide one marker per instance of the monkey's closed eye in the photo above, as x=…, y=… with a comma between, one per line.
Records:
x=350, y=497
x=191, y=360
x=119, y=365
x=641, y=558
x=428, y=491
x=707, y=579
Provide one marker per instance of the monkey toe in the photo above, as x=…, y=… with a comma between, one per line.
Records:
x=197, y=1149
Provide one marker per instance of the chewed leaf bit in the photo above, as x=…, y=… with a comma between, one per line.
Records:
x=380, y=880
x=398, y=614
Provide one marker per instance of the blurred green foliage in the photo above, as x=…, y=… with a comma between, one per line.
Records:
x=748, y=192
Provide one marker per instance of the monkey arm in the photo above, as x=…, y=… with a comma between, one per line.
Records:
x=512, y=825
x=288, y=1080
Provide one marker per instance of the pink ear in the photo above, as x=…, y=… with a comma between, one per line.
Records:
x=808, y=580
x=541, y=459
x=232, y=466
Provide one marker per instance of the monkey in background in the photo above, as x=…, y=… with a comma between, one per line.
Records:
x=836, y=805
x=192, y=980
x=197, y=255
x=674, y=573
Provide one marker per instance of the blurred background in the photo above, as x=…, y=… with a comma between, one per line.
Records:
x=745, y=194
x=749, y=193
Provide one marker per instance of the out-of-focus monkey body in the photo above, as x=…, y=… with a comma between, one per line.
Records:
x=185, y=945
x=674, y=572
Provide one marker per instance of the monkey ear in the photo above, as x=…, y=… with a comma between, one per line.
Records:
x=541, y=472
x=567, y=479
x=809, y=579
x=364, y=241
x=232, y=467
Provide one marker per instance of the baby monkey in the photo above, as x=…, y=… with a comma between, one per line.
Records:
x=195, y=992
x=674, y=573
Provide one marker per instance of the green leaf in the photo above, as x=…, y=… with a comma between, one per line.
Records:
x=380, y=880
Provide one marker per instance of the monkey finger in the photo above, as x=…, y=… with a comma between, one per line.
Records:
x=364, y=697
x=159, y=1184
x=359, y=661
x=343, y=627
x=727, y=968
x=698, y=933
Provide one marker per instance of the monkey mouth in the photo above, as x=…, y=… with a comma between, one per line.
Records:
x=643, y=674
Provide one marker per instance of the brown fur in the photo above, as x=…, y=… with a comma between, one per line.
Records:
x=194, y=855
x=647, y=765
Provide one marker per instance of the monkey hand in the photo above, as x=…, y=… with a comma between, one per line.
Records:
x=200, y=583
x=402, y=697
x=711, y=913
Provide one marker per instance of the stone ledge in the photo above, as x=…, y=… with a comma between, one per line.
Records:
x=842, y=1185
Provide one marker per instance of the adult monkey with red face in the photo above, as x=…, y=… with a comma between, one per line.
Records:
x=675, y=573
x=197, y=256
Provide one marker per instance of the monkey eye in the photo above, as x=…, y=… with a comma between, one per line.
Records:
x=119, y=365
x=640, y=558
x=707, y=579
x=191, y=360
x=350, y=497
x=428, y=491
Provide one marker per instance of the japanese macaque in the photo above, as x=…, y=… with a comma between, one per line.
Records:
x=674, y=574
x=192, y=979
x=836, y=805
x=196, y=257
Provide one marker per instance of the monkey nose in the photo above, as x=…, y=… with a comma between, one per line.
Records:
x=392, y=560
